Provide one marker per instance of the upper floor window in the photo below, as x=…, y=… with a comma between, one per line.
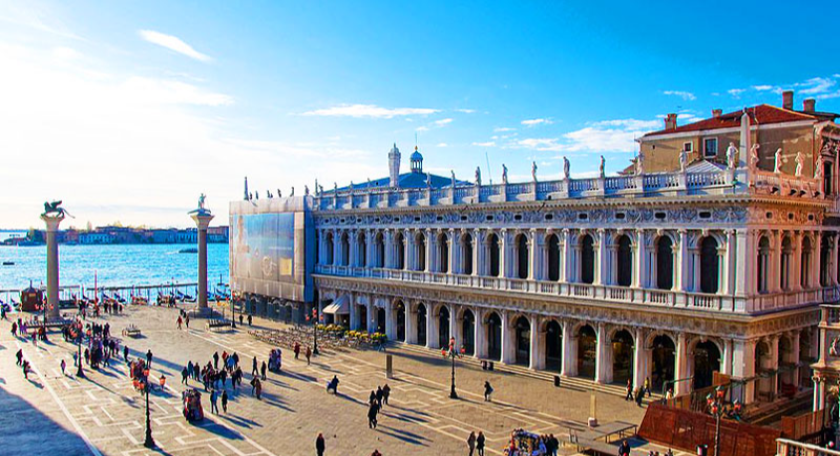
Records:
x=710, y=147
x=688, y=146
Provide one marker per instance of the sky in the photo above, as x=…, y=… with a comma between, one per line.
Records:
x=127, y=111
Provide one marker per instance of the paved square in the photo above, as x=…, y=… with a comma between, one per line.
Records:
x=53, y=413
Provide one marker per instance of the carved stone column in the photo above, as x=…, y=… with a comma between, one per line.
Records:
x=480, y=334
x=568, y=367
x=537, y=360
x=683, y=258
x=432, y=331
x=508, y=340
x=640, y=354
x=640, y=259
x=410, y=323
x=601, y=257
x=681, y=362
x=602, y=363
x=743, y=366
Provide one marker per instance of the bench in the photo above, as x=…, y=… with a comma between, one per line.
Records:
x=131, y=331
x=216, y=324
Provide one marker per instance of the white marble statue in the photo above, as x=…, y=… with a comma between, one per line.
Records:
x=428, y=180
x=453, y=178
x=800, y=163
x=777, y=165
x=602, y=166
x=566, y=168
x=754, y=158
x=818, y=167
x=504, y=174
x=732, y=156
x=683, y=160
x=640, y=165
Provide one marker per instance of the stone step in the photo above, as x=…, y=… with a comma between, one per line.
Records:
x=574, y=383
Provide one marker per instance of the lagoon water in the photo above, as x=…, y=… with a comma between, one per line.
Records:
x=114, y=265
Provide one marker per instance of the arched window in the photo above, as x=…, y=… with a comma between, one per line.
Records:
x=330, y=249
x=468, y=332
x=825, y=257
x=523, y=340
x=422, y=335
x=522, y=256
x=624, y=263
x=466, y=254
x=494, y=255
x=420, y=243
x=709, y=265
x=399, y=309
x=587, y=260
x=361, y=249
x=763, y=265
x=664, y=263
x=399, y=241
x=784, y=270
x=553, y=249
x=443, y=253
x=379, y=250
x=345, y=249
x=443, y=327
x=805, y=264
x=494, y=336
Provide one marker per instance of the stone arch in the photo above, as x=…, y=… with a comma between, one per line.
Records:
x=665, y=255
x=400, y=314
x=763, y=277
x=422, y=328
x=786, y=263
x=587, y=343
x=586, y=263
x=624, y=260
x=361, y=249
x=763, y=364
x=806, y=253
x=709, y=264
x=329, y=242
x=663, y=359
x=493, y=323
x=466, y=242
x=521, y=246
x=706, y=355
x=344, y=241
x=420, y=249
x=622, y=343
x=552, y=255
x=825, y=259
x=553, y=341
x=443, y=252
x=522, y=339
x=494, y=255
x=467, y=319
x=399, y=242
x=443, y=316
x=378, y=250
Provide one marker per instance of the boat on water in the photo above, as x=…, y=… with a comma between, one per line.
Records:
x=188, y=250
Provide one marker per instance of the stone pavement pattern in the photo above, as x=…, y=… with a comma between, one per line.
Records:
x=102, y=414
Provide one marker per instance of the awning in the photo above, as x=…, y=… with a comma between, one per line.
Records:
x=341, y=306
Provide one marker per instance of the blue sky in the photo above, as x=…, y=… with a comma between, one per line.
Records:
x=129, y=110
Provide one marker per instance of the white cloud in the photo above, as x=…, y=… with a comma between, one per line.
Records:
x=681, y=93
x=466, y=111
x=442, y=122
x=816, y=86
x=443, y=144
x=535, y=122
x=173, y=43
x=736, y=92
x=485, y=144
x=421, y=128
x=616, y=135
x=503, y=129
x=763, y=88
x=369, y=111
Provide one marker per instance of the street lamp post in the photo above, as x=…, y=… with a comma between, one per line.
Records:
x=315, y=334
x=719, y=407
x=80, y=371
x=452, y=354
x=232, y=310
x=149, y=442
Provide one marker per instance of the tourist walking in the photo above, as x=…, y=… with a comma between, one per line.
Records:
x=224, y=400
x=250, y=319
x=187, y=321
x=125, y=353
x=647, y=386
x=488, y=391
x=479, y=443
x=184, y=375
x=254, y=370
x=263, y=369
x=372, y=411
x=179, y=323
x=63, y=366
x=333, y=385
x=386, y=392
x=629, y=391
x=149, y=359
x=639, y=396
x=624, y=449
x=258, y=388
x=19, y=356
x=26, y=369
x=297, y=350
x=379, y=396
x=216, y=360
x=308, y=355
x=471, y=442
x=320, y=445
x=214, y=407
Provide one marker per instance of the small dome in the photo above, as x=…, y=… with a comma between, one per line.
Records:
x=416, y=155
x=416, y=161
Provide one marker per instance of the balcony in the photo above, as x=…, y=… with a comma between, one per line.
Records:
x=703, y=302
x=785, y=447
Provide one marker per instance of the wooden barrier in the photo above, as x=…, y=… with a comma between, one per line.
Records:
x=684, y=429
x=805, y=428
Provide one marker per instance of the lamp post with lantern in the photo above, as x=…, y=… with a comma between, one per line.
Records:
x=718, y=407
x=452, y=354
x=149, y=441
x=315, y=329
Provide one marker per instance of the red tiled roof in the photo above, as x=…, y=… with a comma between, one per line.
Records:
x=762, y=114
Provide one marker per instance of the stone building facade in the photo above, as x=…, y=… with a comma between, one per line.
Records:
x=668, y=275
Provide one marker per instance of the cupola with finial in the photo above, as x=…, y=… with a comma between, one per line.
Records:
x=416, y=161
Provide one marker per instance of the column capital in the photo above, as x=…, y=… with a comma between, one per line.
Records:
x=52, y=221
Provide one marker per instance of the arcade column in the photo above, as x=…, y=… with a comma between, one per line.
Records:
x=52, y=222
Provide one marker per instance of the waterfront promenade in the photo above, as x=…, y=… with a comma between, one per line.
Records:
x=102, y=414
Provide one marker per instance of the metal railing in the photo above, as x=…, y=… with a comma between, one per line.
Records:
x=785, y=447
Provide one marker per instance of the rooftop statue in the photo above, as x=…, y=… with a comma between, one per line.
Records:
x=601, y=167
x=818, y=167
x=428, y=180
x=683, y=160
x=534, y=170
x=317, y=189
x=640, y=167
x=566, y=166
x=279, y=193
x=293, y=192
x=777, y=165
x=504, y=174
x=754, y=159
x=55, y=208
x=732, y=156
x=478, y=175
x=306, y=190
x=453, y=178
x=201, y=199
